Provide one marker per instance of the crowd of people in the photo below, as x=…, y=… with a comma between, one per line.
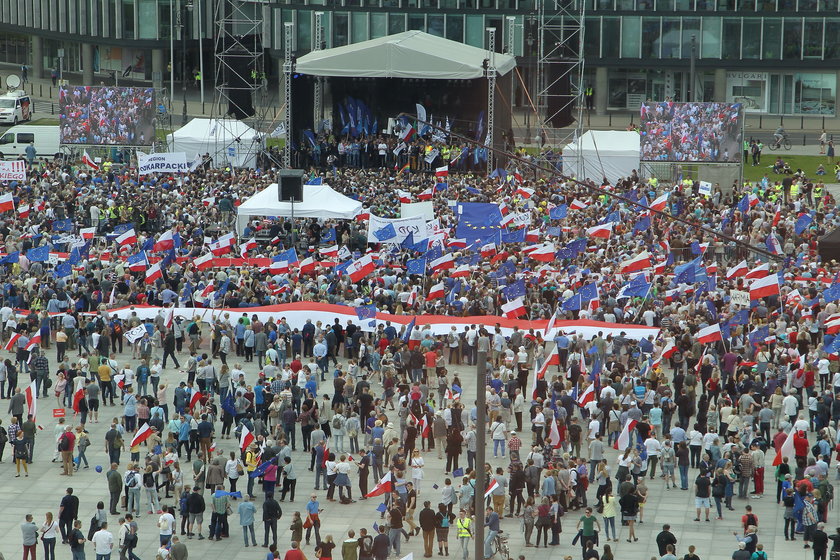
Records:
x=371, y=408
x=115, y=116
x=706, y=132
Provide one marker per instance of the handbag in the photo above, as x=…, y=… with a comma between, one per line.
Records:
x=308, y=523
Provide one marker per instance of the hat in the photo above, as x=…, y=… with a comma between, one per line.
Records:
x=513, y=433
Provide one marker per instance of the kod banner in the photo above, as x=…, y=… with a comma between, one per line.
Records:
x=169, y=162
x=13, y=170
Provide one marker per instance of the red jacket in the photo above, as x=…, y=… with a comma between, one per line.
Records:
x=800, y=444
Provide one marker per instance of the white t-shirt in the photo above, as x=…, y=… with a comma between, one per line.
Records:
x=103, y=542
x=50, y=530
x=166, y=523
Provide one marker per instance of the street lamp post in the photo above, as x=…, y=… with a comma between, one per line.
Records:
x=530, y=42
x=182, y=26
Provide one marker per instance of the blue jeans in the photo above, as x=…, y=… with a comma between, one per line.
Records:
x=683, y=476
x=394, y=536
x=78, y=553
x=488, y=543
x=103, y=556
x=609, y=523
x=496, y=444
x=245, y=529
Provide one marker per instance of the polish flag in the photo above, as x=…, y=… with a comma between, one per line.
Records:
x=514, y=309
x=738, y=270
x=445, y=262
x=307, y=265
x=759, y=271
x=127, y=238
x=12, y=341
x=578, y=204
x=764, y=287
x=87, y=233
x=524, y=192
x=786, y=450
x=462, y=271
x=412, y=297
x=554, y=435
x=208, y=290
x=204, y=261
x=278, y=267
x=438, y=291
x=78, y=395
x=625, y=438
x=669, y=350
x=659, y=268
x=360, y=268
x=588, y=395
x=533, y=236
x=384, y=486
x=603, y=231
x=165, y=242
x=23, y=211
x=458, y=243
x=141, y=435
x=709, y=334
x=553, y=360
x=452, y=396
x=490, y=487
x=87, y=160
x=487, y=250
x=405, y=197
x=33, y=342
x=195, y=398
x=660, y=203
x=832, y=324
x=245, y=439
x=424, y=426
x=550, y=326
x=31, y=394
x=247, y=246
x=362, y=217
x=208, y=201
x=222, y=245
x=442, y=171
x=330, y=252
x=7, y=202
x=636, y=264
x=153, y=273
x=426, y=194
x=542, y=253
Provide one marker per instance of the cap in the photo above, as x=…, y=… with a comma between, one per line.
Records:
x=512, y=432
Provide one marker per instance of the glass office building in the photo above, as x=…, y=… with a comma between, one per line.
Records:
x=775, y=56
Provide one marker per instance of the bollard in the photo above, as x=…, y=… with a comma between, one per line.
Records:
x=803, y=139
x=802, y=123
x=52, y=108
x=610, y=120
x=760, y=119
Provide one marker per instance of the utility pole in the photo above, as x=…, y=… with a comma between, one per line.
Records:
x=480, y=451
x=691, y=71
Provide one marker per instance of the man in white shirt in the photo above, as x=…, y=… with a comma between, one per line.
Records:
x=166, y=524
x=790, y=406
x=103, y=543
x=653, y=448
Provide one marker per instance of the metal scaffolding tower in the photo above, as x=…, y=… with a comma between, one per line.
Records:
x=318, y=93
x=240, y=74
x=560, y=85
x=491, y=96
x=288, y=70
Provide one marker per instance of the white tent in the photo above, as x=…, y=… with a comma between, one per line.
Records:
x=411, y=54
x=228, y=141
x=606, y=153
x=319, y=201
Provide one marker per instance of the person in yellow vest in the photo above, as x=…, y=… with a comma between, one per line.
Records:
x=464, y=527
x=589, y=96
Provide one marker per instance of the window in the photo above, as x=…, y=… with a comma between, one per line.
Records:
x=631, y=30
x=611, y=43
x=751, y=43
x=670, y=39
x=396, y=23
x=771, y=40
x=25, y=138
x=378, y=24
x=340, y=31
x=7, y=139
x=828, y=5
x=417, y=21
x=807, y=5
x=685, y=5
x=792, y=39
x=128, y=19
x=832, y=48
x=435, y=23
x=359, y=26
x=592, y=35
x=455, y=27
x=711, y=38
x=731, y=38
x=149, y=25
x=814, y=94
x=766, y=5
x=813, y=47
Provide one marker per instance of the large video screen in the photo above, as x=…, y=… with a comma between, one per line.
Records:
x=111, y=116
x=691, y=132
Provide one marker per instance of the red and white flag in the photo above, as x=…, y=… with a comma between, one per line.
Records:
x=442, y=171
x=87, y=233
x=204, y=261
x=128, y=237
x=709, y=334
x=23, y=211
x=12, y=341
x=247, y=246
x=587, y=396
x=738, y=270
x=603, y=231
x=490, y=487
x=764, y=287
x=165, y=242
x=554, y=435
x=625, y=438
x=404, y=196
x=552, y=360
x=195, y=398
x=444, y=262
x=384, y=486
x=7, y=202
x=360, y=268
x=87, y=160
x=639, y=262
x=669, y=350
x=141, y=435
x=759, y=272
x=154, y=273
x=436, y=292
x=31, y=394
x=660, y=203
x=246, y=438
x=578, y=204
x=463, y=271
x=786, y=450
x=33, y=342
x=514, y=309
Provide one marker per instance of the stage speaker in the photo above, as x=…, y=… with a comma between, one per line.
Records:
x=290, y=187
x=560, y=101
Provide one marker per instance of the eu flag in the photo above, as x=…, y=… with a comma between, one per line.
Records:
x=410, y=327
x=290, y=256
x=416, y=266
x=515, y=290
x=366, y=312
x=385, y=233
x=39, y=254
x=559, y=212
x=64, y=225
x=329, y=236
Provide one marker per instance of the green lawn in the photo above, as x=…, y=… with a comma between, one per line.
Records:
x=808, y=164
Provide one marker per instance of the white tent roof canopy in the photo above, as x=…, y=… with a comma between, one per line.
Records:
x=319, y=201
x=226, y=140
x=605, y=153
x=411, y=54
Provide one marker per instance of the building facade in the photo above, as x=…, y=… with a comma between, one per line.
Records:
x=778, y=57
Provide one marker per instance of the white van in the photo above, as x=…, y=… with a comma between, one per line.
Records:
x=14, y=141
x=15, y=107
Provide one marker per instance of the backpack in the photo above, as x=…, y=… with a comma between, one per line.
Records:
x=815, y=450
x=64, y=443
x=336, y=422
x=751, y=519
x=130, y=479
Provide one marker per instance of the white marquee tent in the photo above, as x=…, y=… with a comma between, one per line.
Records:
x=319, y=201
x=411, y=54
x=606, y=153
x=228, y=141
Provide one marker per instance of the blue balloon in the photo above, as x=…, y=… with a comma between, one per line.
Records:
x=99, y=468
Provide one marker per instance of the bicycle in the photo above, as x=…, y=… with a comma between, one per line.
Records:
x=777, y=144
x=500, y=547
